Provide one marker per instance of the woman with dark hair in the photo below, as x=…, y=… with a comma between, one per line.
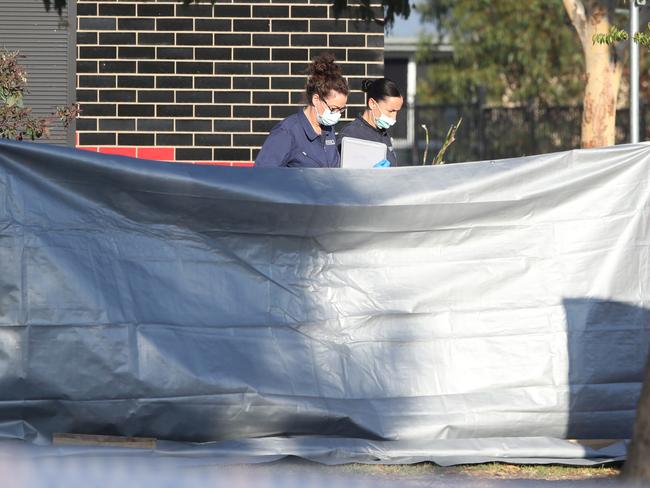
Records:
x=306, y=139
x=383, y=103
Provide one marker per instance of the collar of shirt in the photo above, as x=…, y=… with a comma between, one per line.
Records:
x=309, y=130
x=365, y=122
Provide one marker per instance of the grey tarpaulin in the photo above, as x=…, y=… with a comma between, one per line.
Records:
x=468, y=311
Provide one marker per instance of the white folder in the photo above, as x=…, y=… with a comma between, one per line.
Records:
x=360, y=154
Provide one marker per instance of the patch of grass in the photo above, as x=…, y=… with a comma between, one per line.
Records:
x=549, y=472
x=538, y=471
x=397, y=470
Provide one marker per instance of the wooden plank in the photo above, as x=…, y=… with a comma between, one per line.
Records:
x=103, y=441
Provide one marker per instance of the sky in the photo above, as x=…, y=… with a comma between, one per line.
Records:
x=410, y=27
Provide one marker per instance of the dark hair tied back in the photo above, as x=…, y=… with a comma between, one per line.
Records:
x=380, y=88
x=325, y=76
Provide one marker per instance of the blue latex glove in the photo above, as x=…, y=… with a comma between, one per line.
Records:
x=384, y=163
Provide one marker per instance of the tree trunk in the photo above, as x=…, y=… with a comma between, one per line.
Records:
x=603, y=71
x=637, y=466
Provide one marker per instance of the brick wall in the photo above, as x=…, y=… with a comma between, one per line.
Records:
x=205, y=83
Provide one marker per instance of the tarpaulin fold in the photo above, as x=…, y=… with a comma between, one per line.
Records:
x=452, y=305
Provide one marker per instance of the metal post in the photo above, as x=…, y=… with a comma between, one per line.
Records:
x=411, y=129
x=634, y=73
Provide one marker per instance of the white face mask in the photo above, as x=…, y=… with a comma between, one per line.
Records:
x=383, y=121
x=328, y=118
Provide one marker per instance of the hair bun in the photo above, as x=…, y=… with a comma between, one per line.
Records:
x=324, y=66
x=366, y=84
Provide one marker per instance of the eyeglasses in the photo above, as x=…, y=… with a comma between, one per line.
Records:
x=334, y=110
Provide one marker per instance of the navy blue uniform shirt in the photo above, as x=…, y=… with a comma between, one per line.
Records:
x=361, y=129
x=294, y=143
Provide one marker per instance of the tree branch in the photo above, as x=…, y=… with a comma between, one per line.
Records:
x=578, y=16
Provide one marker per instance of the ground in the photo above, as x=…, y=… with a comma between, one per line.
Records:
x=431, y=475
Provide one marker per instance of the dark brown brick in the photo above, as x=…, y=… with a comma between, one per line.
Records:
x=135, y=81
x=117, y=95
x=213, y=111
x=137, y=23
x=308, y=40
x=161, y=96
x=194, y=10
x=310, y=12
x=193, y=125
x=135, y=110
x=86, y=66
x=213, y=25
x=251, y=25
x=96, y=23
x=248, y=139
x=194, y=154
x=216, y=82
x=87, y=95
x=232, y=39
x=116, y=9
x=271, y=97
x=232, y=68
x=96, y=139
x=155, y=10
x=289, y=54
x=156, y=125
x=175, y=110
x=232, y=125
x=194, y=39
x=116, y=124
x=228, y=11
x=274, y=68
x=96, y=81
x=232, y=154
x=250, y=111
x=267, y=11
x=174, y=24
x=289, y=25
x=117, y=66
x=174, y=139
x=86, y=38
x=174, y=82
x=98, y=109
x=87, y=52
x=136, y=139
x=250, y=83
x=193, y=96
x=156, y=38
x=193, y=67
x=156, y=67
x=232, y=96
x=137, y=52
x=214, y=53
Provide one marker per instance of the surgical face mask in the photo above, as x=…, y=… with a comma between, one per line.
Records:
x=328, y=118
x=383, y=121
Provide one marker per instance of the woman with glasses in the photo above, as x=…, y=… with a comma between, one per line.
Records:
x=306, y=139
x=383, y=103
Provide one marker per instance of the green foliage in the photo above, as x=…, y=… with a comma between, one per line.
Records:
x=614, y=35
x=643, y=37
x=58, y=5
x=16, y=120
x=366, y=10
x=450, y=138
x=515, y=52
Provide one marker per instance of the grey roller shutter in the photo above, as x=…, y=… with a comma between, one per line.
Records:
x=46, y=42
